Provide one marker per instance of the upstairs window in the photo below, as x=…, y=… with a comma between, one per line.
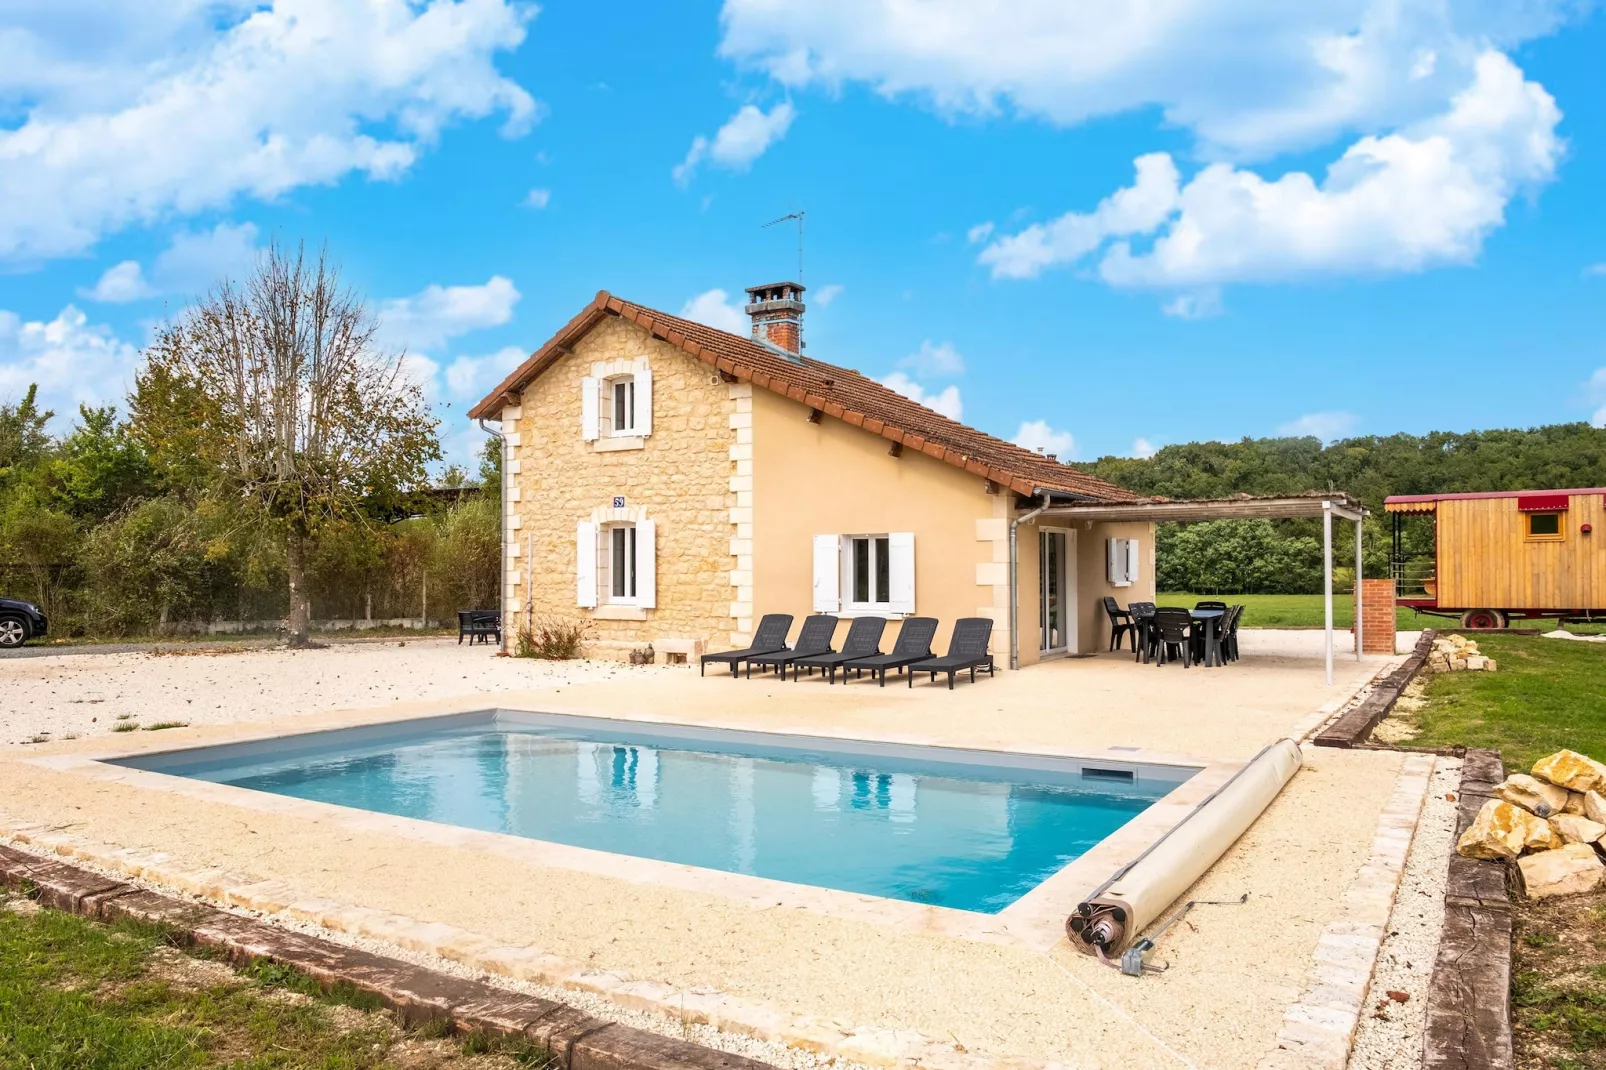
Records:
x=623, y=394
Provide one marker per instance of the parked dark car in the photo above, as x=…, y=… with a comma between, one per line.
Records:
x=20, y=622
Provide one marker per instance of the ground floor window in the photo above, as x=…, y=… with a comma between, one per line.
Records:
x=865, y=573
x=1544, y=525
x=622, y=563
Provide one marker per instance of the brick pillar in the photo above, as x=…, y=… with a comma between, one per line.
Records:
x=1377, y=616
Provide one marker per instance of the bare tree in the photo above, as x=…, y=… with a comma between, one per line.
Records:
x=286, y=400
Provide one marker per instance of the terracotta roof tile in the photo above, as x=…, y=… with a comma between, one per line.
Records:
x=840, y=393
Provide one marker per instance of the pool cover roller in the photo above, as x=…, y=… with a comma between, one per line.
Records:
x=1130, y=901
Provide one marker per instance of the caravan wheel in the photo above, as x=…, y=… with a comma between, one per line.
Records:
x=1483, y=618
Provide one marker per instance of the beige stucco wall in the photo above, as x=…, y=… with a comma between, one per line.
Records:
x=830, y=478
x=681, y=477
x=1092, y=582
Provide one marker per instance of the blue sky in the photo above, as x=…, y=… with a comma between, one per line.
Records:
x=1092, y=233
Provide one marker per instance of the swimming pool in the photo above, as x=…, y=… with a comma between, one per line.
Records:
x=970, y=830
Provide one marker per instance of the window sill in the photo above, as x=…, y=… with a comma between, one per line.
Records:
x=863, y=611
x=618, y=612
x=620, y=442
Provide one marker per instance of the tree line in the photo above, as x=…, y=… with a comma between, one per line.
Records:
x=271, y=463
x=1284, y=557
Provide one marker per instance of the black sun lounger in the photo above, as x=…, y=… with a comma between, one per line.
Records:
x=914, y=644
x=813, y=639
x=966, y=650
x=864, y=639
x=770, y=637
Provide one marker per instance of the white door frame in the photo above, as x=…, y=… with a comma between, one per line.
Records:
x=1068, y=607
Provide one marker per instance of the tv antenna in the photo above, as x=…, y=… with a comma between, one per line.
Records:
x=799, y=217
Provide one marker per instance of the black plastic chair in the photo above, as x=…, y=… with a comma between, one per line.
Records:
x=864, y=640
x=1173, y=631
x=768, y=639
x=1211, y=605
x=480, y=625
x=1229, y=634
x=914, y=644
x=1121, y=623
x=813, y=639
x=967, y=649
x=1142, y=629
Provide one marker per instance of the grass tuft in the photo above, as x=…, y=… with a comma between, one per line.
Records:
x=159, y=725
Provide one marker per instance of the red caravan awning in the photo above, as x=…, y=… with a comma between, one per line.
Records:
x=1541, y=503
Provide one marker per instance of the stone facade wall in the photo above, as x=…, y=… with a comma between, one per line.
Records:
x=1377, y=617
x=680, y=477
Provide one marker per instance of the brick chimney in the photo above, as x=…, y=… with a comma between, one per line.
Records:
x=777, y=311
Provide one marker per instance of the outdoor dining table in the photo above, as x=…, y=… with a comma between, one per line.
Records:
x=1211, y=619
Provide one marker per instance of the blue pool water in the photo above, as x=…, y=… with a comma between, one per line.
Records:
x=922, y=824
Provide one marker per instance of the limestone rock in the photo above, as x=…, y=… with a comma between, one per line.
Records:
x=1595, y=806
x=1502, y=831
x=1575, y=804
x=1490, y=665
x=1536, y=796
x=1574, y=829
x=1572, y=870
x=1571, y=770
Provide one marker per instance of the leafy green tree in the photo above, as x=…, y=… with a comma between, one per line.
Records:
x=299, y=410
x=100, y=466
x=24, y=440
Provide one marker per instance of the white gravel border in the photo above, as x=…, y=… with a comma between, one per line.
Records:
x=1390, y=1036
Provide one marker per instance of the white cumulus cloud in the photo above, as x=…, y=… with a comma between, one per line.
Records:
x=1248, y=78
x=1596, y=390
x=1420, y=197
x=427, y=319
x=945, y=401
x=203, y=103
x=538, y=198
x=192, y=263
x=72, y=360
x=743, y=139
x=935, y=359
x=1143, y=449
x=1326, y=426
x=716, y=309
x=1038, y=436
x=827, y=293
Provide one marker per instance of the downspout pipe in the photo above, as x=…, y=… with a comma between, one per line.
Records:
x=1014, y=581
x=501, y=600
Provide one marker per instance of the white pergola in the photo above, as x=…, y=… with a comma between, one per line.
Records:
x=1326, y=505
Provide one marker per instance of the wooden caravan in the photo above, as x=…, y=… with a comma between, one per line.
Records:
x=1505, y=554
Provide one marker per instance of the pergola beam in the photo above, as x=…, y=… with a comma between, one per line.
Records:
x=1270, y=508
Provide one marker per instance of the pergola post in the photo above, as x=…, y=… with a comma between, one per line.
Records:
x=1358, y=585
x=1327, y=583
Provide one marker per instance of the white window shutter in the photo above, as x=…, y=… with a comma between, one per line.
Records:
x=644, y=402
x=646, y=561
x=590, y=394
x=1116, y=559
x=1134, y=566
x=585, y=563
x=901, y=572
x=827, y=573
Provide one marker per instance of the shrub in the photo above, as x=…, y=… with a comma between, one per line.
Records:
x=552, y=639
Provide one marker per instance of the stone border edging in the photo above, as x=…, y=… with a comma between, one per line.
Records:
x=1355, y=726
x=578, y=1040
x=1319, y=1028
x=1468, y=1023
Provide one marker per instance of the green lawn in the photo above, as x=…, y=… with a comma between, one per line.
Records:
x=1298, y=610
x=80, y=995
x=1545, y=695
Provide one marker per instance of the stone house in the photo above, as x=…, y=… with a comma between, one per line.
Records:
x=669, y=483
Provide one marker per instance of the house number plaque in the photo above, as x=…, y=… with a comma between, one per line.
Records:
x=618, y=501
